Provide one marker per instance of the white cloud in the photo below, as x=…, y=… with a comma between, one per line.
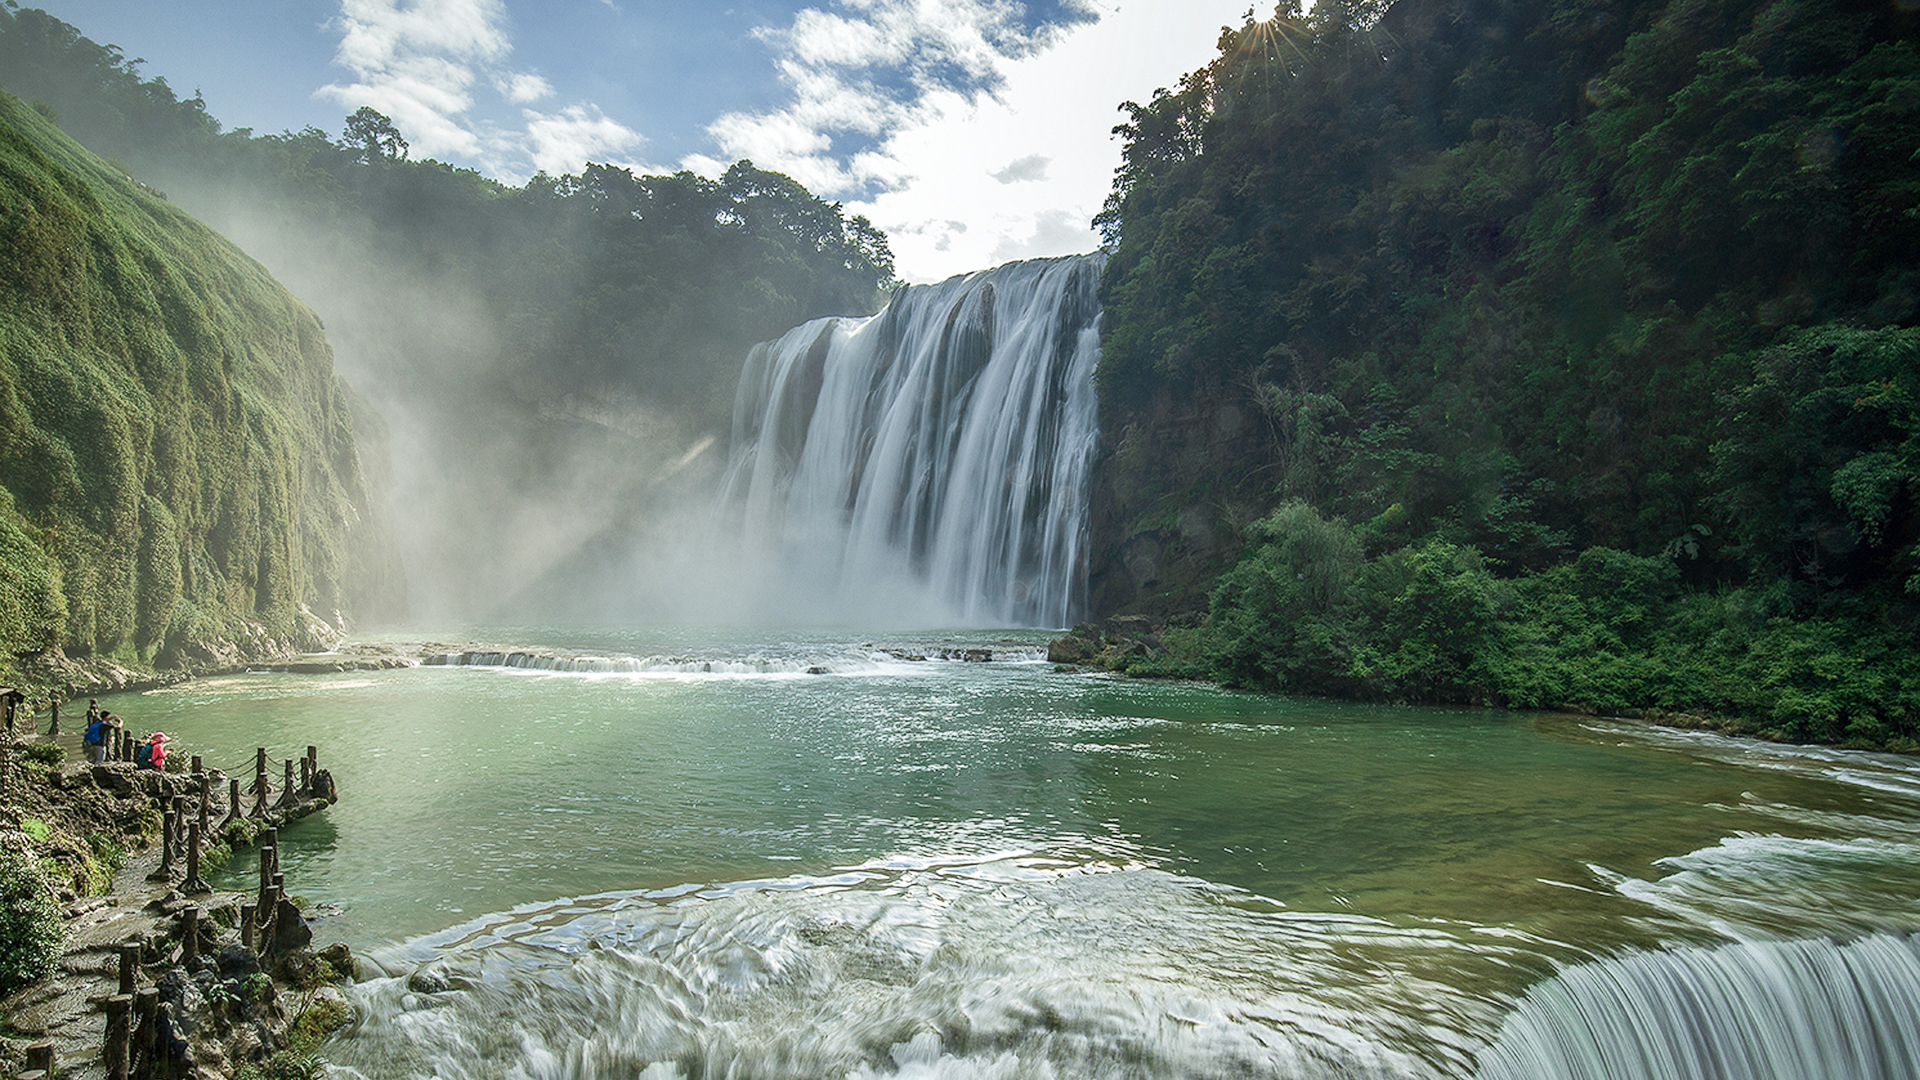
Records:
x=1055, y=232
x=1031, y=167
x=1061, y=104
x=523, y=88
x=564, y=141
x=419, y=61
x=961, y=113
x=376, y=34
x=862, y=76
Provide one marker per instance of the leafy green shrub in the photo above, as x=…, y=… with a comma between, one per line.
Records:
x=1306, y=611
x=35, y=829
x=284, y=1065
x=1432, y=618
x=240, y=833
x=45, y=753
x=104, y=859
x=150, y=822
x=1281, y=618
x=107, y=850
x=316, y=1022
x=1608, y=631
x=255, y=986
x=31, y=929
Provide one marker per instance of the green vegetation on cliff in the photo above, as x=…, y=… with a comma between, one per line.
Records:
x=1545, y=352
x=179, y=478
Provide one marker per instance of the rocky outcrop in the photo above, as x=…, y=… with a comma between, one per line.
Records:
x=1115, y=644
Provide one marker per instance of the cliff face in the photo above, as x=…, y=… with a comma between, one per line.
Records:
x=179, y=475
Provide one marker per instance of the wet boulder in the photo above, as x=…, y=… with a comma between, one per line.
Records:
x=1072, y=649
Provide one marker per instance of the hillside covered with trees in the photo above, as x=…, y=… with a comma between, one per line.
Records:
x=544, y=354
x=179, y=477
x=1537, y=352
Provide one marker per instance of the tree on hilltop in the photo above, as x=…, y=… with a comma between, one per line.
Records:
x=371, y=133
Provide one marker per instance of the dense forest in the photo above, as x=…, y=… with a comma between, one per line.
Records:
x=1556, y=352
x=179, y=477
x=544, y=354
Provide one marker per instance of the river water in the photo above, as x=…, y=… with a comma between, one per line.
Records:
x=817, y=856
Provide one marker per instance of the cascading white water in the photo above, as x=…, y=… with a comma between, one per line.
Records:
x=932, y=461
x=1751, y=1010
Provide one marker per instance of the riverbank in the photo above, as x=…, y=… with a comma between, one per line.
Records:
x=1760, y=684
x=51, y=675
x=124, y=951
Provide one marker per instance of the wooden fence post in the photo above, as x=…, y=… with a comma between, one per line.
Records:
x=260, y=782
x=129, y=964
x=119, y=1035
x=190, y=935
x=194, y=884
x=146, y=1031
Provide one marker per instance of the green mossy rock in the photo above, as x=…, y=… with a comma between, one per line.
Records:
x=179, y=476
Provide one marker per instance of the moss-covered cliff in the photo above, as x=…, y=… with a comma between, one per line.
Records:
x=179, y=477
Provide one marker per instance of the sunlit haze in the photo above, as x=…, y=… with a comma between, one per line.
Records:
x=972, y=131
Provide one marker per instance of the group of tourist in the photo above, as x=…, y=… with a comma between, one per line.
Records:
x=103, y=728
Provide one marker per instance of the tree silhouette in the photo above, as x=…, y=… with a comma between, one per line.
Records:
x=372, y=134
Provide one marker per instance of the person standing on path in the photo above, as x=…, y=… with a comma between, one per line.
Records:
x=153, y=752
x=95, y=738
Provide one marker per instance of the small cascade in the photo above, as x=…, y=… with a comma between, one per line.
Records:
x=932, y=460
x=1751, y=1010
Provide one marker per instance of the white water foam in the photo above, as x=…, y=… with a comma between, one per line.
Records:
x=1014, y=966
x=1890, y=774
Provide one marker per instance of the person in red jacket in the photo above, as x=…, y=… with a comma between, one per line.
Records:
x=153, y=752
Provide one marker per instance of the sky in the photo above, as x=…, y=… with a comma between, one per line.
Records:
x=974, y=132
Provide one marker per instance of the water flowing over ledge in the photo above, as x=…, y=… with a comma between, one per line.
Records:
x=932, y=459
x=1767, y=1010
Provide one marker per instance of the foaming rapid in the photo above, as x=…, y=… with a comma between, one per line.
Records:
x=1007, y=966
x=1765, y=1005
x=930, y=463
x=1776, y=1010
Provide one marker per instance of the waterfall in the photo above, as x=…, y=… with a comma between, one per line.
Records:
x=1746, y=1011
x=931, y=461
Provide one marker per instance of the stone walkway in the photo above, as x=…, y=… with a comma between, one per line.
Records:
x=65, y=1009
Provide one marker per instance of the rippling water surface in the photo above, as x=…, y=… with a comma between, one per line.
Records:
x=669, y=854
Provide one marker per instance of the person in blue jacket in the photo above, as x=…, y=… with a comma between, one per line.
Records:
x=95, y=739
